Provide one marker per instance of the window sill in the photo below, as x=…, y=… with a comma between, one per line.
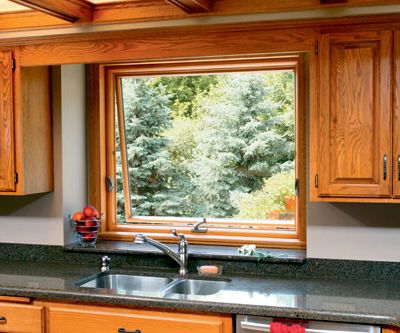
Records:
x=195, y=251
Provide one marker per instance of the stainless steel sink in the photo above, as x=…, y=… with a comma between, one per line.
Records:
x=127, y=282
x=195, y=287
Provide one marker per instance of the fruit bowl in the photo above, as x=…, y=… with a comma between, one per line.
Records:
x=86, y=231
x=86, y=225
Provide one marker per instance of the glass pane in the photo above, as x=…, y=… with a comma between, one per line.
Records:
x=216, y=146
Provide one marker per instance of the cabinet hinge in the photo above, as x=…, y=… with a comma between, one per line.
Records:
x=316, y=180
x=296, y=187
x=16, y=178
x=316, y=47
x=13, y=64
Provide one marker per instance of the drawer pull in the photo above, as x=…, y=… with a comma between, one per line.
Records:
x=122, y=330
x=3, y=320
x=385, y=166
x=398, y=167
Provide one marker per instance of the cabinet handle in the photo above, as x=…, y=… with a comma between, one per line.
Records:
x=398, y=167
x=384, y=167
x=122, y=330
x=3, y=320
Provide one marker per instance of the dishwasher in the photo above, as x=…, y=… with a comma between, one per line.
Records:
x=254, y=324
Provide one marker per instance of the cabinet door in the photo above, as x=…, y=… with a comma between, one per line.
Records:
x=354, y=116
x=101, y=319
x=396, y=118
x=21, y=318
x=7, y=167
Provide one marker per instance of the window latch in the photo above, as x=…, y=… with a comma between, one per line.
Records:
x=110, y=184
x=197, y=229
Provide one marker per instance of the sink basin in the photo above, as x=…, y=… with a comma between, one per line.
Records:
x=126, y=282
x=129, y=284
x=195, y=287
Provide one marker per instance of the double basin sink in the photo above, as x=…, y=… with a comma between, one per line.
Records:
x=165, y=285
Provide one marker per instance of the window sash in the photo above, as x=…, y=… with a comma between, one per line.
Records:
x=270, y=234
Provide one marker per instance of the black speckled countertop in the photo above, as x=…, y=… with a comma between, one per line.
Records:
x=351, y=300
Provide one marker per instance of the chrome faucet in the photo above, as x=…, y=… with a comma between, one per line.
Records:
x=181, y=257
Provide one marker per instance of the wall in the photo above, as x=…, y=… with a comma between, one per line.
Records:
x=73, y=89
x=340, y=231
x=353, y=231
x=39, y=219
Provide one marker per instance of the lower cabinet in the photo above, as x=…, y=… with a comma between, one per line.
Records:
x=77, y=318
x=388, y=329
x=21, y=318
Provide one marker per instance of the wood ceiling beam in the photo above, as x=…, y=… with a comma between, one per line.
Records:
x=67, y=10
x=158, y=10
x=192, y=6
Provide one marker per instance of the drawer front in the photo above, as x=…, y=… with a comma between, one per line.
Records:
x=20, y=318
x=84, y=319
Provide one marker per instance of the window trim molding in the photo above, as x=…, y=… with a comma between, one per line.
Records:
x=102, y=82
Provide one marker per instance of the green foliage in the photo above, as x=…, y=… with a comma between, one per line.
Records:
x=211, y=145
x=270, y=199
x=239, y=144
x=182, y=139
x=184, y=92
x=150, y=168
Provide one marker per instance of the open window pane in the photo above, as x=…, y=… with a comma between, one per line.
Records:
x=217, y=146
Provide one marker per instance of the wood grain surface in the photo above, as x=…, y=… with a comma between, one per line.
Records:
x=21, y=318
x=68, y=10
x=7, y=160
x=355, y=114
x=99, y=319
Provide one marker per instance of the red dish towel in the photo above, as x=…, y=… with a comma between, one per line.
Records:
x=277, y=327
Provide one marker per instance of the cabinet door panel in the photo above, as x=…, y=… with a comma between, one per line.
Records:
x=355, y=115
x=21, y=318
x=7, y=167
x=396, y=119
x=86, y=318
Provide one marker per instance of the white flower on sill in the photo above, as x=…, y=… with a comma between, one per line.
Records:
x=247, y=249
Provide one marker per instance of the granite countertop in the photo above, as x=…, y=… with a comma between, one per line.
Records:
x=369, y=302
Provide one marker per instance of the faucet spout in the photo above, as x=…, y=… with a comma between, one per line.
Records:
x=181, y=257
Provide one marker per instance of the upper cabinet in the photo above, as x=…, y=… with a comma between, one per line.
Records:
x=26, y=151
x=396, y=118
x=354, y=123
x=7, y=158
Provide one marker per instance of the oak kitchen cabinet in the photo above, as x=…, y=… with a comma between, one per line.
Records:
x=62, y=317
x=26, y=153
x=354, y=123
x=18, y=315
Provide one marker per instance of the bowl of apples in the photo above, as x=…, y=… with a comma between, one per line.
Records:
x=86, y=225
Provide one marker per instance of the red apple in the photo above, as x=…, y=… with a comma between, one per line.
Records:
x=91, y=221
x=90, y=236
x=91, y=211
x=80, y=230
x=79, y=216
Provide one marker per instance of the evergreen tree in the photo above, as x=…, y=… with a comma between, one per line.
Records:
x=239, y=144
x=198, y=145
x=151, y=170
x=184, y=92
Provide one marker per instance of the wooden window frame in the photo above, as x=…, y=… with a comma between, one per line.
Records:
x=104, y=81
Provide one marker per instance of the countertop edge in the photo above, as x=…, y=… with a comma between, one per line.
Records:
x=201, y=306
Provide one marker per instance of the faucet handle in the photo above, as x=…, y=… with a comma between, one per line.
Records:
x=181, y=236
x=105, y=263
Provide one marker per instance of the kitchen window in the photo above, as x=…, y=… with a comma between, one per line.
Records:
x=219, y=141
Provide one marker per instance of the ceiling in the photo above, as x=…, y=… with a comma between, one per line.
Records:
x=8, y=6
